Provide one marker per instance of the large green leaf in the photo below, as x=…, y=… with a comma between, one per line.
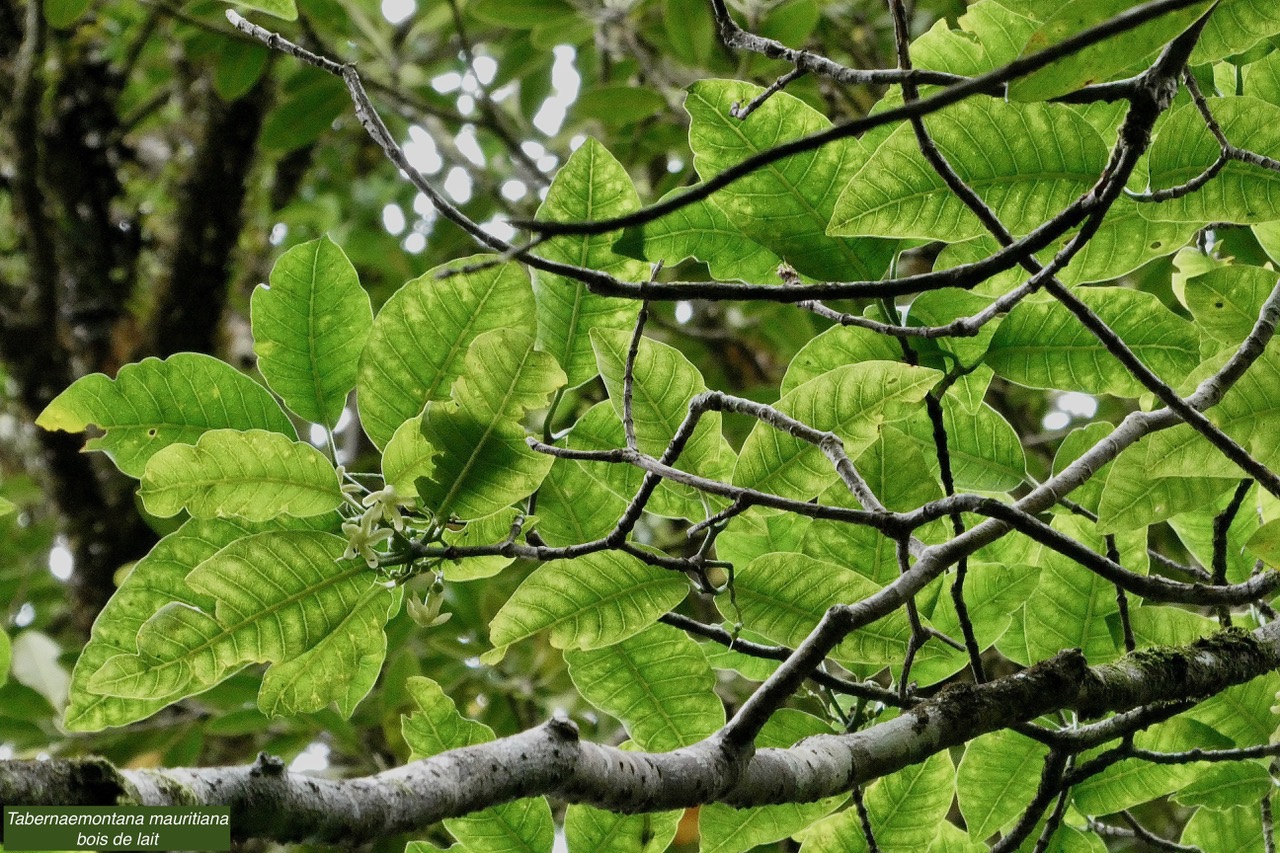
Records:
x=483, y=463
x=985, y=451
x=1247, y=412
x=588, y=829
x=421, y=335
x=522, y=826
x=1069, y=608
x=701, y=231
x=785, y=206
x=1238, y=829
x=1226, y=785
x=853, y=401
x=276, y=596
x=1127, y=783
x=1164, y=475
x=1032, y=160
x=1041, y=344
x=152, y=404
x=896, y=470
x=586, y=603
x=836, y=347
x=1184, y=147
x=591, y=185
x=155, y=581
x=996, y=779
x=729, y=830
x=907, y=810
x=664, y=382
x=1234, y=27
x=580, y=501
x=1099, y=61
x=309, y=327
x=1226, y=302
x=658, y=682
x=989, y=35
x=252, y=474
x=1241, y=713
x=783, y=595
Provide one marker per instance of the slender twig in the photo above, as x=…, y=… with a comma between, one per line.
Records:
x=740, y=111
x=1221, y=527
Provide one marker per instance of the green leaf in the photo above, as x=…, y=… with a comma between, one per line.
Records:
x=896, y=470
x=341, y=667
x=156, y=580
x=255, y=475
x=664, y=383
x=1262, y=78
x=997, y=777
x=276, y=596
x=836, y=347
x=278, y=8
x=729, y=830
x=1168, y=626
x=422, y=334
x=1070, y=606
x=1184, y=147
x=239, y=65
x=1247, y=412
x=1124, y=241
x=1128, y=783
x=7, y=507
x=61, y=14
x=702, y=231
x=586, y=603
x=436, y=726
x=657, y=682
x=304, y=112
x=1042, y=345
x=619, y=103
x=990, y=35
x=995, y=595
x=581, y=501
x=906, y=810
x=483, y=463
x=1242, y=713
x=1034, y=159
x=309, y=327
x=853, y=401
x=783, y=595
x=6, y=657
x=1265, y=543
x=1077, y=442
x=591, y=185
x=1224, y=786
x=588, y=829
x=1238, y=830
x=939, y=307
x=519, y=14
x=152, y=404
x=1164, y=475
x=1226, y=302
x=1099, y=61
x=985, y=451
x=786, y=206
x=522, y=826
x=489, y=530
x=1234, y=27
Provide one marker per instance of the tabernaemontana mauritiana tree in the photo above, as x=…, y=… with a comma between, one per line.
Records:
x=867, y=609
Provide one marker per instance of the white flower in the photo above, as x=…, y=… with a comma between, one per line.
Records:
x=384, y=505
x=361, y=539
